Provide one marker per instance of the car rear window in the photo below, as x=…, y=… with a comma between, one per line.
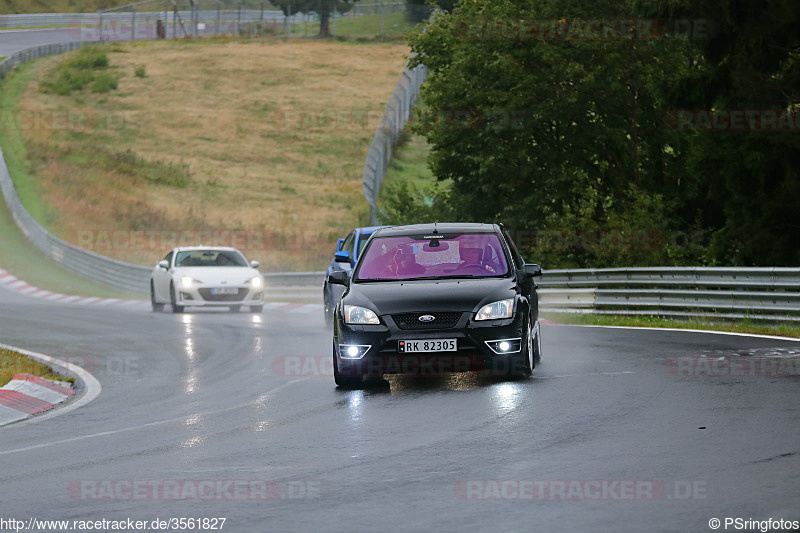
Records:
x=428, y=256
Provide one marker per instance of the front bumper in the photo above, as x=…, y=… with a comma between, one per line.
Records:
x=206, y=296
x=477, y=346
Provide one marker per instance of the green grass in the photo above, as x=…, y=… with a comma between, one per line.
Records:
x=12, y=363
x=11, y=140
x=739, y=326
x=17, y=255
x=410, y=161
x=366, y=27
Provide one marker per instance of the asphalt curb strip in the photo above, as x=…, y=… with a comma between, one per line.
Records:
x=26, y=396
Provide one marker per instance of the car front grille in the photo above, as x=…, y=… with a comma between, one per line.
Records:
x=440, y=321
x=238, y=297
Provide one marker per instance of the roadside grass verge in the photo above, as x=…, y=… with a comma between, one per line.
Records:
x=409, y=161
x=267, y=136
x=12, y=363
x=741, y=326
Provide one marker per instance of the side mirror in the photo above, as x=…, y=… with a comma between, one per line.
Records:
x=342, y=257
x=533, y=270
x=254, y=264
x=340, y=277
x=163, y=264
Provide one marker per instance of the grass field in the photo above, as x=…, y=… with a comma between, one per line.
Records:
x=265, y=137
x=15, y=363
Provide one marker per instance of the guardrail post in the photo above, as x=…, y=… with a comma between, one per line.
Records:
x=133, y=23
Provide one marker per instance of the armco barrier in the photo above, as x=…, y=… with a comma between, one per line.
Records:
x=738, y=293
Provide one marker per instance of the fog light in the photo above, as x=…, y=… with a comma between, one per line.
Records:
x=353, y=351
x=502, y=346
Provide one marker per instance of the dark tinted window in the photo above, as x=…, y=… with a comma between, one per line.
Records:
x=454, y=255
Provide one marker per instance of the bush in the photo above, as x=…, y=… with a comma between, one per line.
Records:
x=89, y=58
x=68, y=80
x=104, y=82
x=139, y=71
x=85, y=67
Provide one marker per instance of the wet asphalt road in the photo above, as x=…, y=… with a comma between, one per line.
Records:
x=235, y=416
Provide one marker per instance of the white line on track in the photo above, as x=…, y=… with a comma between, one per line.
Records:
x=711, y=331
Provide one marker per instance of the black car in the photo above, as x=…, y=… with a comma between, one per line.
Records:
x=436, y=298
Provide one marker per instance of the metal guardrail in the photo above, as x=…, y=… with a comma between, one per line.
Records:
x=395, y=116
x=769, y=293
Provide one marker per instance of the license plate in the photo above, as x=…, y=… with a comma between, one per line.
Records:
x=225, y=290
x=428, y=345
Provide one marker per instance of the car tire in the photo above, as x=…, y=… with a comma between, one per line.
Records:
x=155, y=305
x=256, y=308
x=346, y=382
x=326, y=307
x=537, y=346
x=235, y=308
x=175, y=307
x=520, y=366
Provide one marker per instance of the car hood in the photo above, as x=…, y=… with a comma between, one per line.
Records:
x=429, y=295
x=231, y=275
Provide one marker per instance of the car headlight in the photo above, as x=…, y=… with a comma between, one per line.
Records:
x=495, y=310
x=187, y=282
x=256, y=282
x=360, y=315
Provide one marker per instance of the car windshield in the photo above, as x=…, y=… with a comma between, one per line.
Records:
x=210, y=258
x=427, y=256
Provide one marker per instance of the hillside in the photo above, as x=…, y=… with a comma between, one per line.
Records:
x=265, y=139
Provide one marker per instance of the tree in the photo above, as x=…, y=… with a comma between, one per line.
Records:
x=752, y=181
x=323, y=8
x=543, y=125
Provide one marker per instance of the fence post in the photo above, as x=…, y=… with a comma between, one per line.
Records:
x=219, y=18
x=239, y=21
x=195, y=18
x=133, y=23
x=100, y=33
